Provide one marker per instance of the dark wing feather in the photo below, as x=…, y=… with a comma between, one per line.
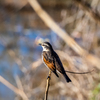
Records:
x=59, y=67
x=49, y=61
x=58, y=63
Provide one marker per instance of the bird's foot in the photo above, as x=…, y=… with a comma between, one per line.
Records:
x=48, y=77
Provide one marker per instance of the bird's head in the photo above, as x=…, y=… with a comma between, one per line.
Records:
x=46, y=46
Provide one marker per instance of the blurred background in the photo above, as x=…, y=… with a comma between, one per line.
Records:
x=20, y=56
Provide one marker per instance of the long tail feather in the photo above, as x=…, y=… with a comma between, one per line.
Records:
x=67, y=78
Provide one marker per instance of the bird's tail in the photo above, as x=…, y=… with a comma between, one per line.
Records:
x=67, y=78
x=56, y=74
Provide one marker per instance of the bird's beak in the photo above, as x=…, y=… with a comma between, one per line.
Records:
x=40, y=44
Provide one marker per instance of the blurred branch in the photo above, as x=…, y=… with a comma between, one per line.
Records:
x=17, y=60
x=19, y=84
x=13, y=88
x=47, y=86
x=52, y=25
x=89, y=10
x=34, y=65
x=71, y=19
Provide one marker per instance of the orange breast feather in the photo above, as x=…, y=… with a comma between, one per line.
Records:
x=49, y=64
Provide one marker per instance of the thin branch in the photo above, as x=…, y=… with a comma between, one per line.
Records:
x=79, y=72
x=47, y=86
x=52, y=25
x=13, y=88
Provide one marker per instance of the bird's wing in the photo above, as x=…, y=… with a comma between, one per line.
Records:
x=49, y=61
x=58, y=63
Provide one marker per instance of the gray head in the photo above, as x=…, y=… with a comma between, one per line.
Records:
x=46, y=46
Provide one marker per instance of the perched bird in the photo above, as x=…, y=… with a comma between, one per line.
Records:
x=52, y=60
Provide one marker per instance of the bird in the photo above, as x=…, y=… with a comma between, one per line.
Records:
x=52, y=61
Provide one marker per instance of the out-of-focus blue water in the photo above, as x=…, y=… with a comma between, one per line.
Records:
x=24, y=48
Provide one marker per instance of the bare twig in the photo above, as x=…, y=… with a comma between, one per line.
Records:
x=13, y=88
x=51, y=24
x=47, y=86
x=79, y=72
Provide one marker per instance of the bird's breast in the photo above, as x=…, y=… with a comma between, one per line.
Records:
x=47, y=61
x=44, y=58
